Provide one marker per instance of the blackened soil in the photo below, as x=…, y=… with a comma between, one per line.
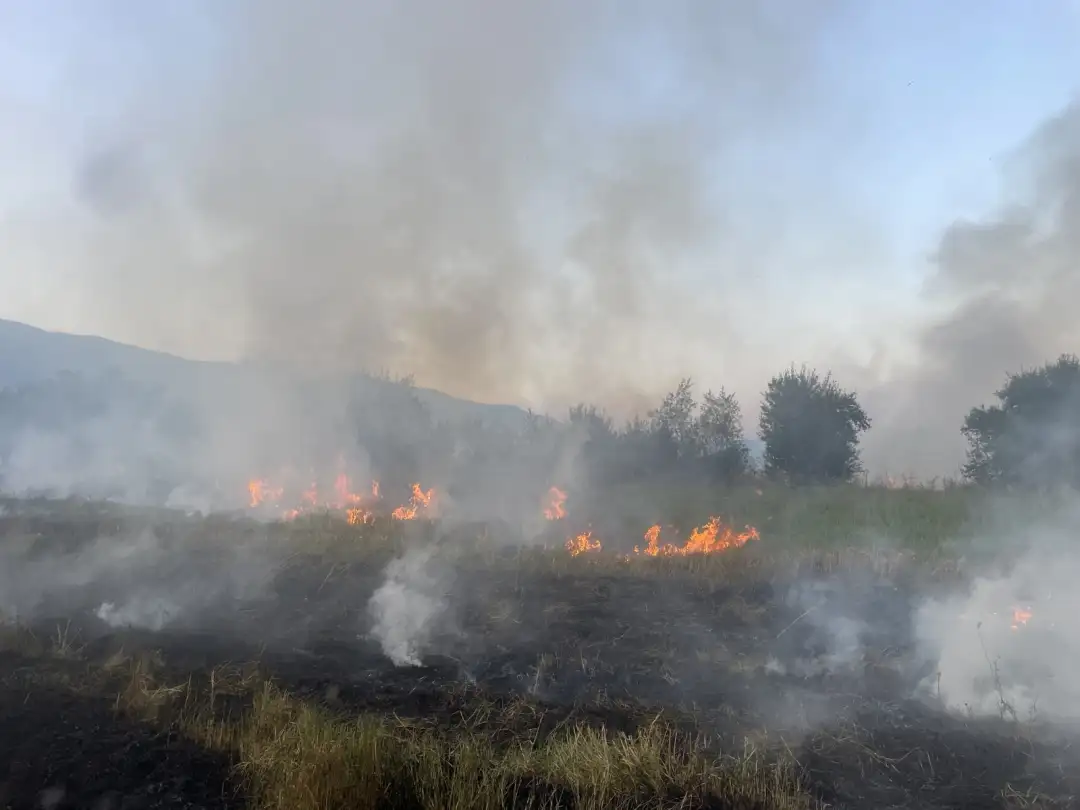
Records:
x=826, y=664
x=62, y=746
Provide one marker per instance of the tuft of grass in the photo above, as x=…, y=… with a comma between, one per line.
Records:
x=298, y=756
x=292, y=754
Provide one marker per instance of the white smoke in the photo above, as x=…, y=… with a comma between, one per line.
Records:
x=149, y=611
x=407, y=606
x=1010, y=646
x=139, y=579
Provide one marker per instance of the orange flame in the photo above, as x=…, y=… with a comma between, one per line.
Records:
x=259, y=492
x=582, y=544
x=1020, y=617
x=356, y=505
x=556, y=504
x=420, y=500
x=344, y=492
x=711, y=538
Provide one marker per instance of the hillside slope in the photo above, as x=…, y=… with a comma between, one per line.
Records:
x=29, y=354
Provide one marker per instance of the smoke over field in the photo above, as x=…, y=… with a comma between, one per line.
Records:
x=319, y=568
x=788, y=672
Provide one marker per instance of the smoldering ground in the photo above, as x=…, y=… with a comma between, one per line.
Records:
x=1005, y=645
x=830, y=652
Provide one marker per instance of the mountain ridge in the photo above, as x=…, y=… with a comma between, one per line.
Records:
x=30, y=354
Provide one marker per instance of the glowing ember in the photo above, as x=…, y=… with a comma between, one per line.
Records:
x=1020, y=617
x=420, y=500
x=556, y=504
x=582, y=544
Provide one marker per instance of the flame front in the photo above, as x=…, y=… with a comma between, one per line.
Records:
x=582, y=543
x=420, y=501
x=712, y=538
x=556, y=504
x=359, y=507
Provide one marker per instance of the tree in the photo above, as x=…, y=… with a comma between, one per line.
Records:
x=719, y=430
x=708, y=438
x=811, y=427
x=1032, y=435
x=674, y=420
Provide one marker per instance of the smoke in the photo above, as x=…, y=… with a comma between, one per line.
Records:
x=142, y=578
x=518, y=204
x=493, y=198
x=406, y=609
x=1003, y=285
x=1008, y=645
x=830, y=637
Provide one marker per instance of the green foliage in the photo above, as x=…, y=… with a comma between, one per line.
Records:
x=1032, y=435
x=721, y=435
x=678, y=438
x=811, y=428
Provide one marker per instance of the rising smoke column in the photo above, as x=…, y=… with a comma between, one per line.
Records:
x=492, y=197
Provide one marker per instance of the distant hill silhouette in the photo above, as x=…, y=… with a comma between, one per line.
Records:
x=29, y=354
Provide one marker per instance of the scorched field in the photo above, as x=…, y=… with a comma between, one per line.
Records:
x=773, y=655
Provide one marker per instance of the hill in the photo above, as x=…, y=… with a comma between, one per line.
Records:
x=29, y=355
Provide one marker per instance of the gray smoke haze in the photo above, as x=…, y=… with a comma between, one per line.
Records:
x=489, y=197
x=138, y=579
x=1006, y=284
x=521, y=203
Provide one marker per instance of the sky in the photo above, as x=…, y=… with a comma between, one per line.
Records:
x=555, y=203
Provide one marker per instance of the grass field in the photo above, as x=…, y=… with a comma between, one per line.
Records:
x=239, y=663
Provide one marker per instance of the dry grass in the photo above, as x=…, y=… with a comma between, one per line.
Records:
x=295, y=755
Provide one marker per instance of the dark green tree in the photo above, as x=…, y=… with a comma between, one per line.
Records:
x=1032, y=435
x=811, y=427
x=708, y=438
x=720, y=433
x=674, y=421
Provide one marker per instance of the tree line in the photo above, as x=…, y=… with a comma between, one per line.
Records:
x=810, y=427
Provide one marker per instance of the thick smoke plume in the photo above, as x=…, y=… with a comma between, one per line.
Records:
x=491, y=197
x=518, y=203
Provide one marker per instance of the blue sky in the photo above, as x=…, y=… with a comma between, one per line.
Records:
x=914, y=112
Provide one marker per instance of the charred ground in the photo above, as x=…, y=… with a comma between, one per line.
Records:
x=757, y=678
